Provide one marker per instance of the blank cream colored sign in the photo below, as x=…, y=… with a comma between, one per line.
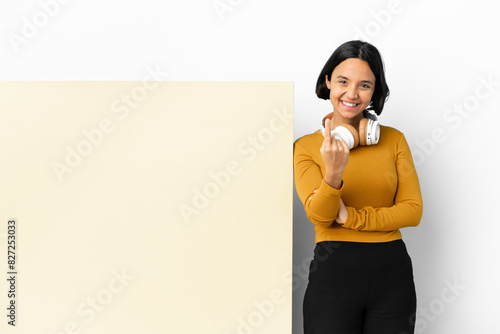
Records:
x=146, y=207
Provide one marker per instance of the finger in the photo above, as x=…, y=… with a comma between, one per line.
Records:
x=343, y=145
x=328, y=132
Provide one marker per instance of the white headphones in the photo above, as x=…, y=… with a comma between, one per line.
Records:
x=369, y=132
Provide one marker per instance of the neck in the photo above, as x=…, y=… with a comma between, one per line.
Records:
x=337, y=119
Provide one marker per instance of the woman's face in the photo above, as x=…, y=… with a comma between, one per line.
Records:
x=351, y=88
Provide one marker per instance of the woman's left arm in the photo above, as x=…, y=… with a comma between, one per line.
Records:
x=407, y=208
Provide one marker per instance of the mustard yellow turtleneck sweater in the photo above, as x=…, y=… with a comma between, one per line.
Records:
x=380, y=189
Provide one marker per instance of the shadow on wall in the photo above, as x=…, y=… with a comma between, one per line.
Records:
x=303, y=251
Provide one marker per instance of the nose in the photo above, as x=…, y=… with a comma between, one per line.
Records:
x=352, y=92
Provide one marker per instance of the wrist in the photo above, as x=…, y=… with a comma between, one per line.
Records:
x=342, y=215
x=334, y=180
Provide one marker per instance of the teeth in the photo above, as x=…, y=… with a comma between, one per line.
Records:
x=349, y=104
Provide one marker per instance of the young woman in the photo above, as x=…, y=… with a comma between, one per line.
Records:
x=361, y=277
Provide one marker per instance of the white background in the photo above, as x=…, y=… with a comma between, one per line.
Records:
x=438, y=56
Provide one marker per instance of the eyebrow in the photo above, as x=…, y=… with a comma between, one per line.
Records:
x=342, y=77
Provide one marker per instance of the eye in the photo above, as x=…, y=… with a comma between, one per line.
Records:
x=366, y=86
x=342, y=82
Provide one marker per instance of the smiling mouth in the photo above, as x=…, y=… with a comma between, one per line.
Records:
x=347, y=104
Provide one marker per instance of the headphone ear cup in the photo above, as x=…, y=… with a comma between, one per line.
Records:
x=347, y=134
x=363, y=125
x=354, y=133
x=369, y=132
x=373, y=132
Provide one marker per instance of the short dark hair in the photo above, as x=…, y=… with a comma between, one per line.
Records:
x=364, y=51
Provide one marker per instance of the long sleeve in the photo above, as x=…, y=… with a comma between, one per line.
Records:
x=380, y=189
x=321, y=208
x=407, y=208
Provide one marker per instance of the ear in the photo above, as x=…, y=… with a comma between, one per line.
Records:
x=328, y=84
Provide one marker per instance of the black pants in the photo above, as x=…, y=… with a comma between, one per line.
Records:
x=360, y=288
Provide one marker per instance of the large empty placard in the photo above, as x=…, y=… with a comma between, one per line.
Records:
x=146, y=207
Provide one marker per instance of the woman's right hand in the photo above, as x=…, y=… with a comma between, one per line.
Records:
x=335, y=154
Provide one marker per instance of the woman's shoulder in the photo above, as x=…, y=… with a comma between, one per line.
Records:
x=390, y=131
x=392, y=137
